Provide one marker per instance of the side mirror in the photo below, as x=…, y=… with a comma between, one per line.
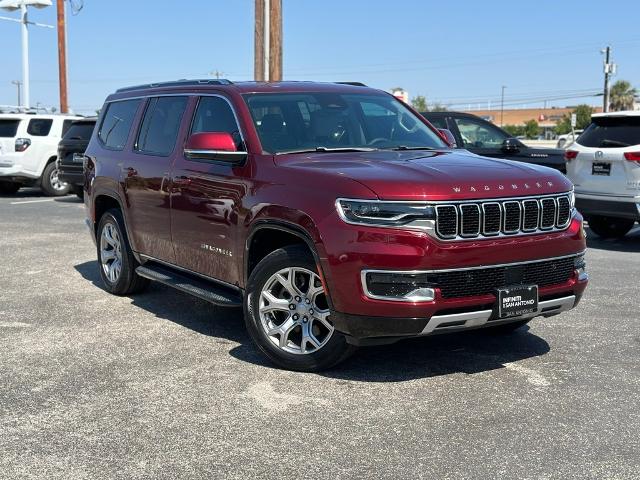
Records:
x=214, y=146
x=448, y=137
x=510, y=145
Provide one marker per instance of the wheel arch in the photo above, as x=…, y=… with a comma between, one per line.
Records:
x=104, y=200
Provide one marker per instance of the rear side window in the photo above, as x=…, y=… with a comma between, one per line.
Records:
x=159, y=129
x=611, y=132
x=80, y=131
x=39, y=127
x=8, y=128
x=115, y=127
x=215, y=115
x=438, y=122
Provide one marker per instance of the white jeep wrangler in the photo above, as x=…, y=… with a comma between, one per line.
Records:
x=28, y=150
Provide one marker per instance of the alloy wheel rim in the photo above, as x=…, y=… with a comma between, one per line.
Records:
x=55, y=181
x=111, y=252
x=294, y=312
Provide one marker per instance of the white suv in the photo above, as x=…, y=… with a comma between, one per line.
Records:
x=28, y=149
x=604, y=165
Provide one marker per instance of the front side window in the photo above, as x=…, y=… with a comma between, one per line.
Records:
x=476, y=134
x=214, y=114
x=160, y=126
x=611, y=132
x=114, y=130
x=324, y=120
x=8, y=128
x=39, y=127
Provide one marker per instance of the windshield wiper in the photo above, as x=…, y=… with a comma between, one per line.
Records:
x=614, y=143
x=330, y=150
x=404, y=147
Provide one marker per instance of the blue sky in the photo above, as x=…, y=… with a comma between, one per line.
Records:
x=454, y=52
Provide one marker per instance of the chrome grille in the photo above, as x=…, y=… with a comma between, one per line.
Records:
x=472, y=219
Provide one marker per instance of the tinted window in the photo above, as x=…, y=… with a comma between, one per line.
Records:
x=65, y=126
x=39, y=127
x=438, y=122
x=80, y=131
x=611, y=132
x=115, y=127
x=160, y=125
x=214, y=114
x=478, y=134
x=307, y=121
x=9, y=128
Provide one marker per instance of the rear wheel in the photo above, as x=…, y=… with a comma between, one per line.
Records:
x=9, y=188
x=287, y=313
x=51, y=184
x=117, y=263
x=610, y=227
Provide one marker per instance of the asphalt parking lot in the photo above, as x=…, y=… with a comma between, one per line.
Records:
x=162, y=385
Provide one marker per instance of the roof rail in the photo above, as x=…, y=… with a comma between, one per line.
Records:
x=355, y=84
x=177, y=83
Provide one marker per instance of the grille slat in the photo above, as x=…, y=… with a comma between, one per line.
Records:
x=504, y=217
x=466, y=283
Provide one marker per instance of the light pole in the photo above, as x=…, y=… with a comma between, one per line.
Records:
x=18, y=84
x=12, y=6
x=502, y=105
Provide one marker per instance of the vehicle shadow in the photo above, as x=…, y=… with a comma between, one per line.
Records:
x=69, y=199
x=32, y=192
x=468, y=352
x=629, y=243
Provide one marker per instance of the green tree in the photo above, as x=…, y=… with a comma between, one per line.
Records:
x=531, y=129
x=583, y=119
x=419, y=102
x=622, y=96
x=514, y=130
x=438, y=107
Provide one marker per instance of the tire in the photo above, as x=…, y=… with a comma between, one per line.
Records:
x=610, y=227
x=50, y=184
x=507, y=328
x=115, y=257
x=9, y=188
x=310, y=344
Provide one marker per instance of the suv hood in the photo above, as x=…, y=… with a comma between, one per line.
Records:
x=433, y=175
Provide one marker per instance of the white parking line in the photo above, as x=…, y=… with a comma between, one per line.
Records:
x=33, y=201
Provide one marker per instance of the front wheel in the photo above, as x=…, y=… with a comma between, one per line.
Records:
x=610, y=227
x=51, y=184
x=287, y=313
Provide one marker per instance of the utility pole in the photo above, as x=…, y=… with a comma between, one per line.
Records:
x=502, y=105
x=609, y=69
x=62, y=57
x=268, y=40
x=18, y=84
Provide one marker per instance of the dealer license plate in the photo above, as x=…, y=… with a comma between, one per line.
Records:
x=601, y=168
x=517, y=300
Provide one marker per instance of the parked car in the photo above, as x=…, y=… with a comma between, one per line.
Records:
x=332, y=213
x=567, y=139
x=604, y=164
x=28, y=150
x=70, y=150
x=484, y=138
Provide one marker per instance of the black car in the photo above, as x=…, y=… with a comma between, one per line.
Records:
x=484, y=138
x=74, y=141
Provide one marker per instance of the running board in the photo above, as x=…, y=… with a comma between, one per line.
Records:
x=208, y=291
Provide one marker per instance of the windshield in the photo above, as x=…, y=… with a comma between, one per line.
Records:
x=325, y=121
x=8, y=128
x=80, y=131
x=611, y=132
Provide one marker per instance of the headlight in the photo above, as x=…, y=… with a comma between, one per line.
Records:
x=385, y=214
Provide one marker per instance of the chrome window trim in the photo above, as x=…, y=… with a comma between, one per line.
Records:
x=436, y=222
x=504, y=217
x=493, y=233
x=462, y=232
x=524, y=215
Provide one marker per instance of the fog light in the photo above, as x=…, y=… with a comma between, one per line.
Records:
x=581, y=267
x=398, y=286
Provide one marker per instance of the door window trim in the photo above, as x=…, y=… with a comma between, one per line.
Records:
x=147, y=103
